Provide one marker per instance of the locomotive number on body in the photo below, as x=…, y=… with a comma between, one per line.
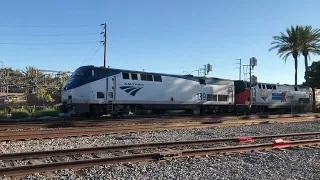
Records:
x=201, y=96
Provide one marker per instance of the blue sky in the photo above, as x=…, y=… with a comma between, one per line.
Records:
x=159, y=36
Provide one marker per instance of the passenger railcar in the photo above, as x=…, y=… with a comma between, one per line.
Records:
x=272, y=97
x=97, y=91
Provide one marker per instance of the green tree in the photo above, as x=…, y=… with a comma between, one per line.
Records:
x=309, y=43
x=11, y=72
x=314, y=75
x=44, y=96
x=288, y=44
x=57, y=90
x=33, y=74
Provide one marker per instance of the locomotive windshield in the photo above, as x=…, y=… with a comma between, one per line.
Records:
x=78, y=78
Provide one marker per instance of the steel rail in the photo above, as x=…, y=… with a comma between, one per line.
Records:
x=42, y=154
x=95, y=123
x=143, y=118
x=69, y=132
x=78, y=164
x=242, y=148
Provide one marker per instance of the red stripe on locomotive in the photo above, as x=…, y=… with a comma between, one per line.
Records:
x=243, y=97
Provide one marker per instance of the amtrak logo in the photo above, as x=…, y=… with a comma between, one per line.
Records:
x=133, y=84
x=131, y=89
x=261, y=93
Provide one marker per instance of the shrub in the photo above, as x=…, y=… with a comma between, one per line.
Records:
x=32, y=110
x=5, y=109
x=47, y=112
x=20, y=113
x=3, y=115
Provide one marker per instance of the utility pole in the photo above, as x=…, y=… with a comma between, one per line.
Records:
x=239, y=68
x=245, y=71
x=104, y=43
x=252, y=64
x=250, y=84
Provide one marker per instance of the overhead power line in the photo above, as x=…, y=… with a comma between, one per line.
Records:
x=49, y=43
x=48, y=34
x=3, y=25
x=94, y=54
x=89, y=53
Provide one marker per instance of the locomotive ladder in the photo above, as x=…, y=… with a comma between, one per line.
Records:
x=110, y=107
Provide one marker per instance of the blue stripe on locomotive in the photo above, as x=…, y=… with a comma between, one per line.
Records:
x=277, y=96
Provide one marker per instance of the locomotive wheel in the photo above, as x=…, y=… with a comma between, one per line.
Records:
x=215, y=109
x=230, y=109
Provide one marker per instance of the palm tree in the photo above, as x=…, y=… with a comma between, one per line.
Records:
x=309, y=43
x=288, y=44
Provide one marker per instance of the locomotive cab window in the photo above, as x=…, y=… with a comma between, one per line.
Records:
x=134, y=76
x=146, y=77
x=149, y=77
x=259, y=85
x=269, y=86
x=157, y=78
x=143, y=77
x=125, y=75
x=274, y=87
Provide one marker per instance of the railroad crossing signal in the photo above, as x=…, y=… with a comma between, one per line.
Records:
x=254, y=79
x=253, y=62
x=204, y=71
x=208, y=68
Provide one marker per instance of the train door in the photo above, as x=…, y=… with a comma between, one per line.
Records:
x=111, y=95
x=111, y=88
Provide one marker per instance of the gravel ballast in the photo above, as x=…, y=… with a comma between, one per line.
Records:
x=158, y=136
x=276, y=164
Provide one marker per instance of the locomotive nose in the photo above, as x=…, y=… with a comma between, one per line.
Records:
x=67, y=96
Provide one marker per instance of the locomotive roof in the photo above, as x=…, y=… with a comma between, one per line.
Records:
x=301, y=86
x=209, y=80
x=163, y=74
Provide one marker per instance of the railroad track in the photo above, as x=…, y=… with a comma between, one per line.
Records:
x=89, y=131
x=97, y=123
x=48, y=161
x=62, y=123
